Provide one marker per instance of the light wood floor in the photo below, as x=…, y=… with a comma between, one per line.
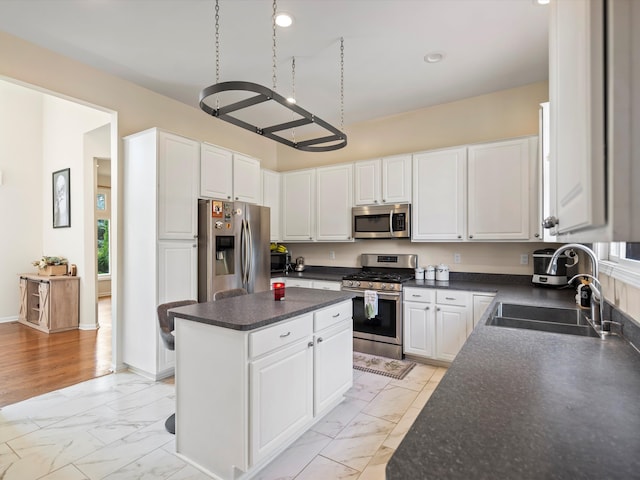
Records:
x=33, y=362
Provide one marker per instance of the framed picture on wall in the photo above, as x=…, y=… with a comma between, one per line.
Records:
x=61, y=198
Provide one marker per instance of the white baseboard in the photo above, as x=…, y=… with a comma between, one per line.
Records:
x=8, y=319
x=158, y=376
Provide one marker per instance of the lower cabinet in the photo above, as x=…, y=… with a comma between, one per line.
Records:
x=265, y=388
x=307, y=283
x=49, y=303
x=436, y=322
x=481, y=302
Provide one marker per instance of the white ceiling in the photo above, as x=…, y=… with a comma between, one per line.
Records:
x=168, y=46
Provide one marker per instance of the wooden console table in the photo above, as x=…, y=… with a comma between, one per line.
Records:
x=49, y=303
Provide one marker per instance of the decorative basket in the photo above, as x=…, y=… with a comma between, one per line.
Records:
x=53, y=270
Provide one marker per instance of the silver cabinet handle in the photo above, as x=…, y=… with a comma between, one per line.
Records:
x=336, y=315
x=470, y=236
x=416, y=295
x=459, y=236
x=284, y=335
x=449, y=298
x=537, y=235
x=320, y=340
x=550, y=222
x=427, y=308
x=310, y=344
x=438, y=309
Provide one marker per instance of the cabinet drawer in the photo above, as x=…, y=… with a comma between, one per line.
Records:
x=326, y=285
x=425, y=295
x=452, y=297
x=279, y=335
x=332, y=315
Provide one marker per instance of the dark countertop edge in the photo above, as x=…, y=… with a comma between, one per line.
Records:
x=338, y=296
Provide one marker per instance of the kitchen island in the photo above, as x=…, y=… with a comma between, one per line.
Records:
x=527, y=404
x=253, y=374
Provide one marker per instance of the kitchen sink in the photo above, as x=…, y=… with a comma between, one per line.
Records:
x=547, y=319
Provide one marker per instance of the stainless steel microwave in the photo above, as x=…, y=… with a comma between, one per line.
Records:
x=382, y=221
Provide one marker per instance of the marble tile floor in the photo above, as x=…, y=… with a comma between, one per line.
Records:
x=112, y=427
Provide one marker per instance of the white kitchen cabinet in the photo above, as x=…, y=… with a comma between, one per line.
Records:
x=327, y=285
x=386, y=180
x=177, y=162
x=333, y=355
x=594, y=101
x=481, y=302
x=436, y=322
x=307, y=283
x=439, y=195
x=298, y=205
x=159, y=253
x=276, y=382
x=271, y=199
x=281, y=397
x=246, y=179
x=501, y=183
x=216, y=172
x=227, y=175
x=299, y=282
x=334, y=200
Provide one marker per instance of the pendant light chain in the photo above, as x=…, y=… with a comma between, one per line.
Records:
x=342, y=84
x=274, y=45
x=217, y=51
x=293, y=93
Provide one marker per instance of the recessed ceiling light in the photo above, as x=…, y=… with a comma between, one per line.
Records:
x=541, y=2
x=284, y=19
x=434, y=57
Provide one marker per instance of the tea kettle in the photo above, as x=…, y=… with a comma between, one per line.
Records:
x=299, y=264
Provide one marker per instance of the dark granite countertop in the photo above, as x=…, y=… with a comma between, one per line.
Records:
x=528, y=405
x=248, y=312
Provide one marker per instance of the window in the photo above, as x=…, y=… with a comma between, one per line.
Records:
x=621, y=260
x=103, y=212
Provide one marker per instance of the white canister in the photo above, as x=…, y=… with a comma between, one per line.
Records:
x=430, y=272
x=442, y=273
x=419, y=273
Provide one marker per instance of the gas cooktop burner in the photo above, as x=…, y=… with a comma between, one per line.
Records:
x=378, y=277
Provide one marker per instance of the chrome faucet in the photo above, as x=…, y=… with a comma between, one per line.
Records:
x=597, y=320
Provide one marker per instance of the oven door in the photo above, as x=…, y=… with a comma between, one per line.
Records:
x=385, y=327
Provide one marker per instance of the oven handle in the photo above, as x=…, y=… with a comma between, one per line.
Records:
x=391, y=223
x=360, y=293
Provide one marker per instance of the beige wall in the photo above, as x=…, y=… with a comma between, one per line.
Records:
x=137, y=107
x=495, y=116
x=622, y=295
x=475, y=257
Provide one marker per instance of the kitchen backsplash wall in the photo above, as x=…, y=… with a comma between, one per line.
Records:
x=474, y=257
x=622, y=295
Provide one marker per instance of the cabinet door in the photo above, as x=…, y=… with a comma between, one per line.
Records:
x=439, y=195
x=299, y=282
x=271, y=199
x=216, y=172
x=334, y=202
x=281, y=400
x=480, y=305
x=333, y=364
x=298, y=205
x=576, y=101
x=499, y=191
x=178, y=160
x=177, y=280
x=246, y=179
x=419, y=329
x=396, y=179
x=23, y=307
x=327, y=285
x=44, y=291
x=452, y=327
x=367, y=182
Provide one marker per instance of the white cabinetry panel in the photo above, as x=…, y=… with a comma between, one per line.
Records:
x=334, y=201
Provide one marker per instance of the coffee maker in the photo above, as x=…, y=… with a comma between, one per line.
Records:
x=542, y=259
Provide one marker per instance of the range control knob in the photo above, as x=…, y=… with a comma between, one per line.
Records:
x=383, y=286
x=370, y=284
x=357, y=284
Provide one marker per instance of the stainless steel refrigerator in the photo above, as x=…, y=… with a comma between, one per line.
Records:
x=233, y=247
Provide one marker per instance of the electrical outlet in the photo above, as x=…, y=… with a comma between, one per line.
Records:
x=457, y=258
x=524, y=259
x=332, y=255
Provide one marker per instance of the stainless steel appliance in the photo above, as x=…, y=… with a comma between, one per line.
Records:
x=233, y=247
x=541, y=259
x=280, y=262
x=382, y=221
x=383, y=274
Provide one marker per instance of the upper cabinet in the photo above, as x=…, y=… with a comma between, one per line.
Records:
x=227, y=175
x=177, y=163
x=501, y=182
x=271, y=199
x=594, y=100
x=484, y=192
x=334, y=202
x=439, y=195
x=386, y=180
x=298, y=205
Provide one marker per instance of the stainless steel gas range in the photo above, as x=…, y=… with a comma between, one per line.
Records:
x=379, y=334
